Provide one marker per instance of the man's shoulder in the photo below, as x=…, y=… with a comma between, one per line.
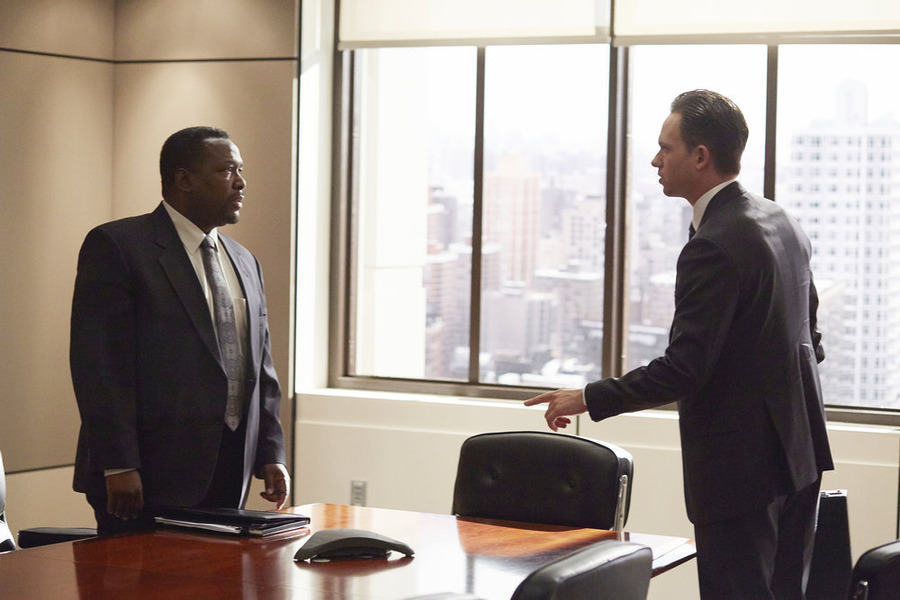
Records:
x=125, y=225
x=737, y=202
x=136, y=234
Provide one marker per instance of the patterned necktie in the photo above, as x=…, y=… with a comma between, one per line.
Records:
x=226, y=331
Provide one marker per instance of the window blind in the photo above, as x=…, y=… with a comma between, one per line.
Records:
x=757, y=21
x=383, y=23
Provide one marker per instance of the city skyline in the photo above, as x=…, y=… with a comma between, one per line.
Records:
x=542, y=254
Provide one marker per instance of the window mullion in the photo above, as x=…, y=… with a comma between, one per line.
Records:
x=771, y=120
x=614, y=293
x=477, y=212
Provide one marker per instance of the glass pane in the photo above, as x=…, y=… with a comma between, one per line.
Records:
x=416, y=156
x=544, y=214
x=838, y=168
x=657, y=224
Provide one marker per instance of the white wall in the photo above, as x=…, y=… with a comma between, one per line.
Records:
x=406, y=447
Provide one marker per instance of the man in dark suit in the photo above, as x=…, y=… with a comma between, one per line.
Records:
x=741, y=363
x=147, y=350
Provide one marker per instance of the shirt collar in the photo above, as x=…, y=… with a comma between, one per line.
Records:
x=191, y=235
x=701, y=204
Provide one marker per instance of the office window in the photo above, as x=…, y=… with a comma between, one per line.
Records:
x=476, y=187
x=415, y=162
x=542, y=222
x=659, y=224
x=544, y=214
x=839, y=94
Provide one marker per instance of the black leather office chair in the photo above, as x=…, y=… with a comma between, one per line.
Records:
x=6, y=539
x=542, y=477
x=36, y=536
x=609, y=570
x=829, y=571
x=876, y=575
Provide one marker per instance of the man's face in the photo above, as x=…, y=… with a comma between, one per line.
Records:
x=675, y=162
x=217, y=190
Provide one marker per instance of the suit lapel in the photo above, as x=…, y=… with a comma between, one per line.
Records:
x=183, y=278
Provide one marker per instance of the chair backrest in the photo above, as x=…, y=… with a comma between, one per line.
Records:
x=876, y=575
x=542, y=477
x=831, y=564
x=6, y=538
x=610, y=570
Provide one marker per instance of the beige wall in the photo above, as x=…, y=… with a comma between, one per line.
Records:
x=89, y=90
x=56, y=144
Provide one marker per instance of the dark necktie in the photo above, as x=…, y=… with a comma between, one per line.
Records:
x=226, y=331
x=691, y=232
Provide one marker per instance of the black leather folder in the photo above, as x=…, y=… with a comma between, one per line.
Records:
x=235, y=521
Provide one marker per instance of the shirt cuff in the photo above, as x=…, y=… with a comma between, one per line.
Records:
x=109, y=472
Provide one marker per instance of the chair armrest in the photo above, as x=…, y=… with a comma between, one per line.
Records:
x=41, y=536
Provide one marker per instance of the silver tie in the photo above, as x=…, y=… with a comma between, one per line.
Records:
x=226, y=331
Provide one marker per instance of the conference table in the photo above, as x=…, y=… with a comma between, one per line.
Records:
x=483, y=557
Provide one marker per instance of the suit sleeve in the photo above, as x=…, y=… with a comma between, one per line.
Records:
x=814, y=332
x=706, y=298
x=102, y=354
x=270, y=446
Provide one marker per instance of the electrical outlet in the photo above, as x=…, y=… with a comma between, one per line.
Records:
x=357, y=493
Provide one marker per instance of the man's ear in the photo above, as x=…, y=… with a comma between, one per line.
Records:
x=702, y=158
x=183, y=180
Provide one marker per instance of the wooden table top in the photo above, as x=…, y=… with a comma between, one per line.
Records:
x=483, y=557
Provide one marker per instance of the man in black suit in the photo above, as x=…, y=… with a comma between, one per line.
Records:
x=741, y=363
x=147, y=369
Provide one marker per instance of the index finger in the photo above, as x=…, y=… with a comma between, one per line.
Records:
x=537, y=400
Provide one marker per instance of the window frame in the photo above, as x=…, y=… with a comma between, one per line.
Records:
x=343, y=260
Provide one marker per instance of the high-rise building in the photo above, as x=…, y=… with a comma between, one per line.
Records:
x=580, y=298
x=512, y=211
x=583, y=234
x=843, y=184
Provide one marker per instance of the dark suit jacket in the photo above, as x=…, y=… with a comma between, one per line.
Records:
x=741, y=361
x=145, y=363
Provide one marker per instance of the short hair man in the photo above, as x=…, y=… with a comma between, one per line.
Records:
x=170, y=351
x=741, y=363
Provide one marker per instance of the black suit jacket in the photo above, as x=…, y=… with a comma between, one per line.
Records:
x=741, y=361
x=148, y=378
